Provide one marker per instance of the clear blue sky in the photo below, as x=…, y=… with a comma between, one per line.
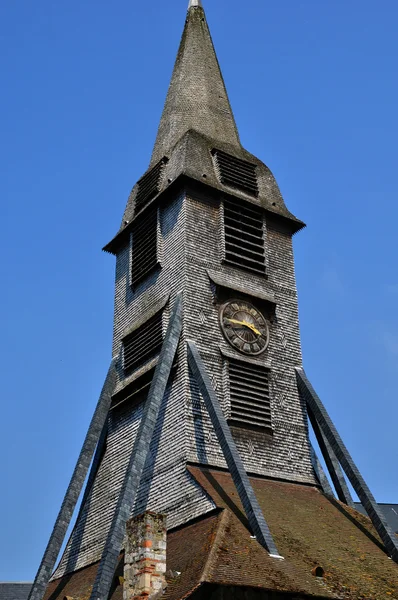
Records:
x=314, y=89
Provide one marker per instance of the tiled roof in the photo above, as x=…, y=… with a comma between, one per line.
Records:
x=15, y=591
x=79, y=584
x=309, y=529
x=220, y=550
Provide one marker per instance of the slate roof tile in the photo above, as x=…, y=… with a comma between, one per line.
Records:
x=15, y=591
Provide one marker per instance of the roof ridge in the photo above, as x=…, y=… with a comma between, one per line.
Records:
x=222, y=525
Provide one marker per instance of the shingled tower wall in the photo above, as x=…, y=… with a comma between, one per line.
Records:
x=187, y=195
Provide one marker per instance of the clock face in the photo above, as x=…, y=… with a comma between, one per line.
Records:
x=244, y=327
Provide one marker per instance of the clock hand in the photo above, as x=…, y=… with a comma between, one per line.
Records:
x=249, y=325
x=236, y=321
x=252, y=327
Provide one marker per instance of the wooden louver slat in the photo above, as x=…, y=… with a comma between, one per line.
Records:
x=249, y=394
x=149, y=185
x=235, y=172
x=244, y=239
x=144, y=257
x=124, y=407
x=143, y=344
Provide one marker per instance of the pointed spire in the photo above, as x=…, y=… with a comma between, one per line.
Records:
x=197, y=98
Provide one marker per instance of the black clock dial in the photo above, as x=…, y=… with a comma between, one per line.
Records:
x=244, y=327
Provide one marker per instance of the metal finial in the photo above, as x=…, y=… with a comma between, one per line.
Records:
x=194, y=3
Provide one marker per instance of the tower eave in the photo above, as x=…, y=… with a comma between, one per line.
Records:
x=189, y=182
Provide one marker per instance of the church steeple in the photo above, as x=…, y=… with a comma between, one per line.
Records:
x=197, y=98
x=197, y=124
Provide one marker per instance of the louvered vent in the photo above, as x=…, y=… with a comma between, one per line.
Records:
x=249, y=393
x=144, y=257
x=235, y=172
x=149, y=185
x=244, y=236
x=143, y=343
x=126, y=400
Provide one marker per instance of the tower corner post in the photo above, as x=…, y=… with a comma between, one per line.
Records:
x=234, y=462
x=320, y=473
x=135, y=467
x=332, y=463
x=325, y=423
x=75, y=487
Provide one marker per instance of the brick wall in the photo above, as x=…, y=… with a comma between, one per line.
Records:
x=145, y=557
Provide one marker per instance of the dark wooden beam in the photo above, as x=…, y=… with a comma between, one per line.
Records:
x=333, y=465
x=75, y=487
x=132, y=477
x=235, y=465
x=320, y=473
x=325, y=423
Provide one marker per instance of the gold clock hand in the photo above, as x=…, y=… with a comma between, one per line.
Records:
x=246, y=324
x=236, y=321
x=252, y=327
